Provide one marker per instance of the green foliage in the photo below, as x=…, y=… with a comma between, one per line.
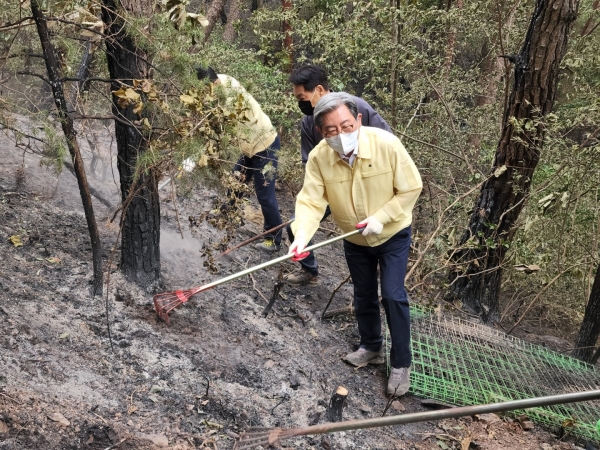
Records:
x=55, y=149
x=451, y=89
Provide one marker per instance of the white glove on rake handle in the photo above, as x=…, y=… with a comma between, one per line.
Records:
x=372, y=226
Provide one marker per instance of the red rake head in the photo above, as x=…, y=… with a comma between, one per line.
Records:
x=168, y=301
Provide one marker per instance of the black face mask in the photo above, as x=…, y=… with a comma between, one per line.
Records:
x=306, y=107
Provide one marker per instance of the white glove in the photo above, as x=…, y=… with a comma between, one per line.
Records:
x=297, y=247
x=373, y=226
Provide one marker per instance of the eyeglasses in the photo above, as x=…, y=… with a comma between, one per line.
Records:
x=345, y=129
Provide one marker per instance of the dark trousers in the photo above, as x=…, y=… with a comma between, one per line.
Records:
x=310, y=262
x=252, y=168
x=392, y=258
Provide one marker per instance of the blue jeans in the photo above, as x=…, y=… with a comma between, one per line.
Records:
x=310, y=262
x=392, y=258
x=251, y=168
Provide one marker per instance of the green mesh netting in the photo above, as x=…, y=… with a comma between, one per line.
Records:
x=464, y=363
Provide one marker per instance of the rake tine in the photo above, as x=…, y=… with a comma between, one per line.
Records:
x=260, y=436
x=169, y=306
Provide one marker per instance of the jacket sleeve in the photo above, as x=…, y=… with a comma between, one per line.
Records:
x=311, y=202
x=407, y=186
x=307, y=141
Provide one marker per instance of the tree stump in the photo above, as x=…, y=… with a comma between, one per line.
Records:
x=336, y=404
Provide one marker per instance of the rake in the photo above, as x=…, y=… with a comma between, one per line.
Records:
x=255, y=437
x=166, y=302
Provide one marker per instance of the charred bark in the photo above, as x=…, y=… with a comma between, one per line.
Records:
x=590, y=327
x=234, y=15
x=336, y=404
x=84, y=68
x=476, y=275
x=52, y=67
x=140, y=220
x=215, y=12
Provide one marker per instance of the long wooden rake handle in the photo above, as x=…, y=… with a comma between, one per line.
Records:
x=167, y=301
x=272, y=262
x=263, y=436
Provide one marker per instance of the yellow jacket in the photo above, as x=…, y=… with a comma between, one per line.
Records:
x=383, y=182
x=256, y=133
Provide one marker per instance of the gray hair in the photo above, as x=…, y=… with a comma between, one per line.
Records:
x=331, y=102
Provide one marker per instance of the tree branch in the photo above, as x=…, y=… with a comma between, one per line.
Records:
x=433, y=146
x=33, y=74
x=19, y=24
x=17, y=131
x=110, y=116
x=103, y=80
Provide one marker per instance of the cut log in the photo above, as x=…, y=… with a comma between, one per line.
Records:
x=336, y=404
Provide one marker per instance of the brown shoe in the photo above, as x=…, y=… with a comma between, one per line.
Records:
x=302, y=279
x=362, y=357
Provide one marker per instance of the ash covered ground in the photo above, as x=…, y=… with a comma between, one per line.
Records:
x=217, y=369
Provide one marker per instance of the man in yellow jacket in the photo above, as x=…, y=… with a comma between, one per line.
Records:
x=259, y=143
x=369, y=180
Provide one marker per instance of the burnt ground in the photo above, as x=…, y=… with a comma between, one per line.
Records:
x=217, y=369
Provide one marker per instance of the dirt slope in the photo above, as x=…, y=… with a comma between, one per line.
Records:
x=219, y=368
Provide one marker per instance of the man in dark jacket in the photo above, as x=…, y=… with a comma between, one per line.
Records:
x=310, y=84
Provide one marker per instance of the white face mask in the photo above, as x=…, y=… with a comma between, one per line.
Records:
x=344, y=143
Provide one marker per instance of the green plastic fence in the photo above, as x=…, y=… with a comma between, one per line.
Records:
x=465, y=363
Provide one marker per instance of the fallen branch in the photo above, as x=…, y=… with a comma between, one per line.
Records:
x=256, y=289
x=335, y=312
x=276, y=289
x=333, y=294
x=254, y=238
x=110, y=447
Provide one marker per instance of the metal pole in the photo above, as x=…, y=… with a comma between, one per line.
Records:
x=446, y=413
x=274, y=261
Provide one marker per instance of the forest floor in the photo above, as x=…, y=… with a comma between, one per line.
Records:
x=217, y=369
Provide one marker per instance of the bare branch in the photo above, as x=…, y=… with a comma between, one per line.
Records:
x=33, y=74
x=19, y=24
x=17, y=131
x=109, y=116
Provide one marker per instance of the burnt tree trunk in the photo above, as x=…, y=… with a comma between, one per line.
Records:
x=234, y=15
x=140, y=237
x=590, y=327
x=215, y=12
x=475, y=277
x=83, y=72
x=52, y=67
